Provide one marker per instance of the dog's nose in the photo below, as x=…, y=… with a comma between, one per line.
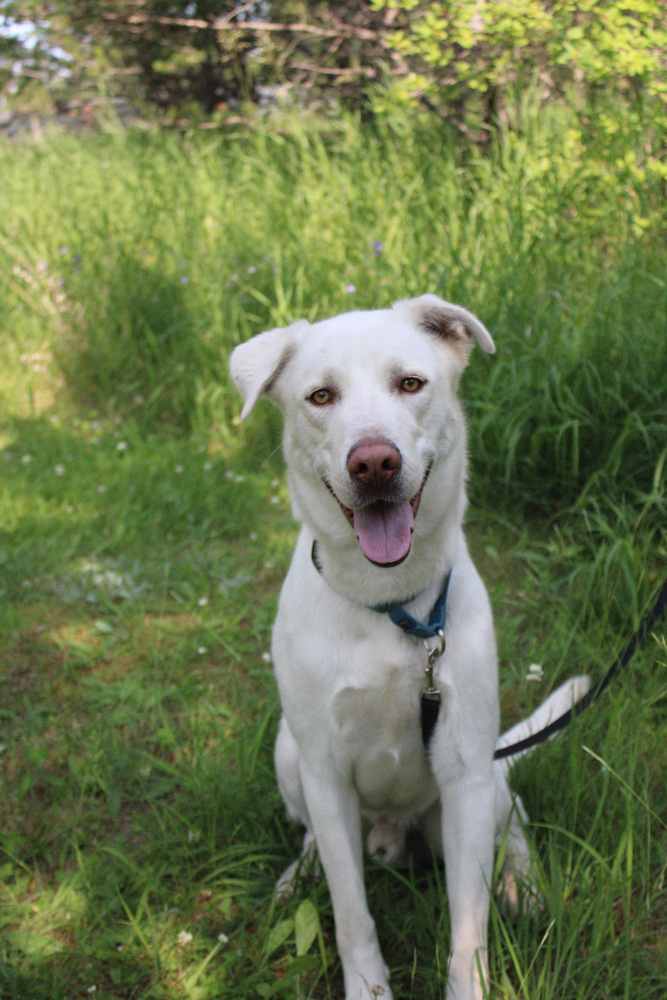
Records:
x=374, y=463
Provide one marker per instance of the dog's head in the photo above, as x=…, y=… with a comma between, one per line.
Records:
x=369, y=400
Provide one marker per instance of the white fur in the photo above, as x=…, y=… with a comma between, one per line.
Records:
x=349, y=743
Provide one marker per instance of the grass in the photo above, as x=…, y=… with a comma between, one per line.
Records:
x=144, y=537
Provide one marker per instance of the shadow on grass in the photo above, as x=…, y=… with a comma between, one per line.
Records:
x=136, y=348
x=136, y=715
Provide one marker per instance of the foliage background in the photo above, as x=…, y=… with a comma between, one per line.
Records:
x=205, y=59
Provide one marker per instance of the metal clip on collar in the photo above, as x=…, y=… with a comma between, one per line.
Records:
x=430, y=697
x=434, y=653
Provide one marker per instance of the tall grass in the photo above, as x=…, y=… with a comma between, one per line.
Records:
x=139, y=260
x=143, y=536
x=144, y=258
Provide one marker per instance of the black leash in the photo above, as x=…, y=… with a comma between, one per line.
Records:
x=621, y=661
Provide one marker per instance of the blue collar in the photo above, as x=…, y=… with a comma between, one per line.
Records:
x=436, y=622
x=396, y=610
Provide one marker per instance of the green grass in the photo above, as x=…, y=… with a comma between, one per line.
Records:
x=144, y=535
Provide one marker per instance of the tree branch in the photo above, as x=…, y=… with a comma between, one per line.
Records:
x=224, y=24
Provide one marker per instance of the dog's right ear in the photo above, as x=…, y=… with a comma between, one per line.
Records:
x=256, y=364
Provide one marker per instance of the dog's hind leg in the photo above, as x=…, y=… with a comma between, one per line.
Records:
x=518, y=888
x=286, y=759
x=518, y=881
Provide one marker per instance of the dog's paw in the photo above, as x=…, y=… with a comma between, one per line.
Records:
x=360, y=987
x=307, y=865
x=287, y=882
x=518, y=894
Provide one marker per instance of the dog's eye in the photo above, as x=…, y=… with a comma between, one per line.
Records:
x=411, y=383
x=321, y=397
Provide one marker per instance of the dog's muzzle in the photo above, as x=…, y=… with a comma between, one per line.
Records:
x=384, y=527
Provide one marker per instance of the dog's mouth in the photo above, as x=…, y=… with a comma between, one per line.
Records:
x=384, y=527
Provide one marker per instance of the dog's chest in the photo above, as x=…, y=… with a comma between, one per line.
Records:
x=379, y=729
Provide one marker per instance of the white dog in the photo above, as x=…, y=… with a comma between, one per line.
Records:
x=375, y=444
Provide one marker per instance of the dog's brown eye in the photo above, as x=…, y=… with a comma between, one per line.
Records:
x=411, y=383
x=321, y=397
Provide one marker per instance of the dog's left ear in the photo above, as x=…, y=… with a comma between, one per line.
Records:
x=451, y=323
x=256, y=365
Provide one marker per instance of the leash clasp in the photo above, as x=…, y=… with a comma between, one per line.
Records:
x=433, y=654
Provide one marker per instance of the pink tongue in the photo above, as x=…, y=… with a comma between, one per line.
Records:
x=384, y=531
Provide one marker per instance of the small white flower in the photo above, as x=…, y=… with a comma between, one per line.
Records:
x=274, y=499
x=268, y=565
x=184, y=938
x=178, y=469
x=535, y=672
x=266, y=657
x=207, y=466
x=202, y=602
x=253, y=536
x=202, y=650
x=229, y=474
x=101, y=489
x=92, y=989
x=26, y=459
x=223, y=939
x=239, y=479
x=121, y=446
x=59, y=470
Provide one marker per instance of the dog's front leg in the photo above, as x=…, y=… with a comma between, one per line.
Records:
x=333, y=806
x=468, y=835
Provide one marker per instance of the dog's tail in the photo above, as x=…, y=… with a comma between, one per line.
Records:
x=562, y=699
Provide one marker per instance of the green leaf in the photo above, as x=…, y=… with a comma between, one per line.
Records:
x=278, y=935
x=306, y=926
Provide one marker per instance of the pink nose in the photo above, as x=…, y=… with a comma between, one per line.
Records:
x=373, y=463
